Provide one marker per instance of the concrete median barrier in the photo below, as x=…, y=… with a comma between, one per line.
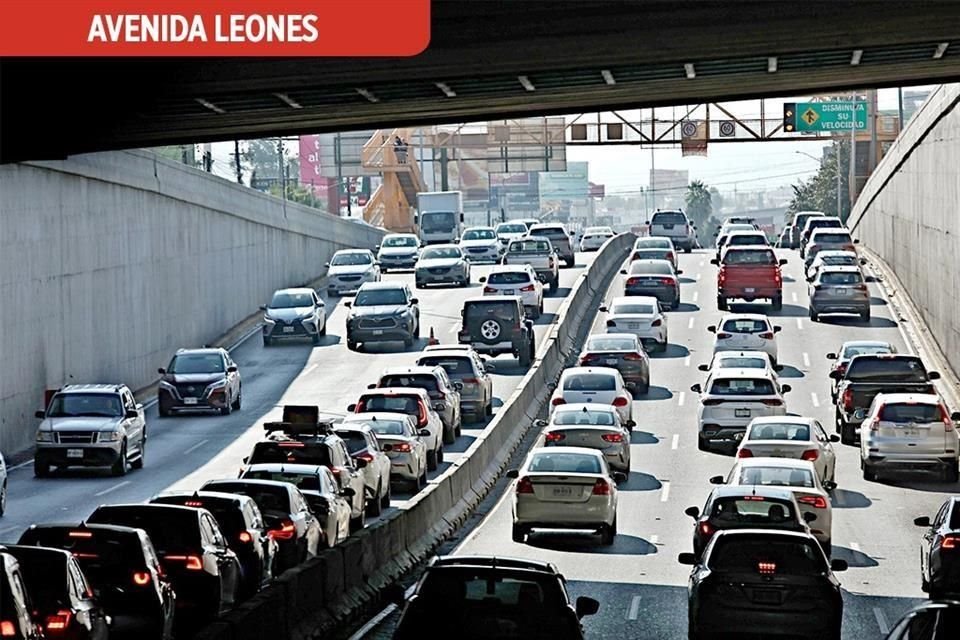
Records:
x=343, y=582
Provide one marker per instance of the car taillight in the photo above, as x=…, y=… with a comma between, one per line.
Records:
x=80, y=534
x=470, y=381
x=550, y=263
x=59, y=621
x=612, y=437
x=194, y=563
x=744, y=453
x=706, y=529
x=633, y=357
x=621, y=401
x=524, y=485
x=841, y=369
x=947, y=422
x=722, y=275
x=291, y=445
x=245, y=537
x=555, y=436
x=767, y=335
x=667, y=281
x=860, y=287
x=528, y=288
x=286, y=531
x=766, y=568
x=656, y=323
x=601, y=487
x=361, y=406
x=848, y=399
x=489, y=290
x=773, y=402
x=141, y=578
x=668, y=256
x=950, y=542
x=632, y=281
x=558, y=401
x=810, y=454
x=402, y=447
x=422, y=415
x=724, y=336
x=7, y=629
x=848, y=247
x=712, y=403
x=817, y=502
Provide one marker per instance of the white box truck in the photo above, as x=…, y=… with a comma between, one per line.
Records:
x=440, y=216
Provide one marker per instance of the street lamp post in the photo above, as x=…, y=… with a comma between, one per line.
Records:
x=836, y=159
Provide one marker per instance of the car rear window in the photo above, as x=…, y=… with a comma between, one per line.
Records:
x=599, y=418
x=306, y=482
x=271, y=499
x=821, y=222
x=765, y=555
x=417, y=381
x=354, y=440
x=483, y=309
x=634, y=308
x=509, y=277
x=170, y=529
x=752, y=238
x=564, y=463
x=839, y=261
x=653, y=243
x=745, y=325
x=903, y=412
x=752, y=510
x=742, y=387
x=589, y=382
x=780, y=431
x=383, y=428
x=290, y=452
x=227, y=514
x=832, y=238
x=553, y=233
x=654, y=268
x=453, y=365
x=742, y=362
x=955, y=517
x=867, y=368
x=749, y=257
x=776, y=477
x=651, y=254
x=390, y=404
x=841, y=277
x=668, y=217
x=611, y=344
x=859, y=350
x=512, y=228
x=106, y=557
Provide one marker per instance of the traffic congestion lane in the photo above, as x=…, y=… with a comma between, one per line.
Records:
x=641, y=586
x=185, y=450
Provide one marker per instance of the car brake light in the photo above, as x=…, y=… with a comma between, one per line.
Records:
x=489, y=290
x=666, y=281
x=361, y=406
x=245, y=537
x=633, y=357
x=286, y=531
x=656, y=323
x=668, y=256
x=723, y=336
x=632, y=281
x=947, y=422
x=555, y=436
x=291, y=445
x=950, y=542
x=558, y=401
x=744, y=453
x=755, y=498
x=706, y=529
x=524, y=485
x=841, y=369
x=365, y=455
x=773, y=402
x=848, y=399
x=470, y=381
x=7, y=630
x=612, y=437
x=622, y=401
x=766, y=335
x=141, y=578
x=601, y=487
x=422, y=414
x=193, y=503
x=767, y=568
x=402, y=447
x=528, y=288
x=80, y=534
x=810, y=454
x=194, y=563
x=817, y=502
x=860, y=287
x=60, y=621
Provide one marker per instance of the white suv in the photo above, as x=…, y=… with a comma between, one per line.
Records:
x=516, y=280
x=731, y=398
x=676, y=226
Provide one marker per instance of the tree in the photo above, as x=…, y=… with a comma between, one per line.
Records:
x=819, y=193
x=262, y=157
x=699, y=206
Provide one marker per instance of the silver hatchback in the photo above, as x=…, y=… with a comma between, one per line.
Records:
x=839, y=290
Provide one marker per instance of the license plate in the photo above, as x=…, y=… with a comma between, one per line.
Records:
x=508, y=292
x=378, y=332
x=909, y=433
x=611, y=361
x=749, y=290
x=189, y=401
x=633, y=325
x=74, y=453
x=563, y=492
x=288, y=329
x=741, y=413
x=765, y=596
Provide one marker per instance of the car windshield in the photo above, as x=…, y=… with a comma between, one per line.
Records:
x=422, y=381
x=867, y=368
x=839, y=261
x=653, y=268
x=564, y=463
x=479, y=234
x=585, y=416
x=453, y=365
x=509, y=277
x=611, y=344
x=750, y=257
x=777, y=476
x=745, y=325
x=669, y=217
x=437, y=221
x=832, y=238
x=290, y=452
x=351, y=259
x=494, y=309
x=904, y=412
x=780, y=431
x=196, y=363
x=391, y=404
x=642, y=309
x=589, y=382
x=441, y=253
x=169, y=528
x=529, y=246
x=841, y=277
x=512, y=227
x=858, y=350
x=376, y=297
x=384, y=427
x=400, y=241
x=273, y=499
x=751, y=238
x=742, y=387
x=304, y=481
x=752, y=510
x=766, y=555
x=742, y=362
x=286, y=300
x=72, y=405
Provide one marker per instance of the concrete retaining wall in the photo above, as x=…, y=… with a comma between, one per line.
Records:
x=111, y=261
x=908, y=215
x=344, y=581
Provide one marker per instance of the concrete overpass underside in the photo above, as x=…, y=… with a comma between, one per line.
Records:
x=486, y=60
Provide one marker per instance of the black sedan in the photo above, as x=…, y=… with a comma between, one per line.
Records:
x=653, y=278
x=940, y=550
x=778, y=581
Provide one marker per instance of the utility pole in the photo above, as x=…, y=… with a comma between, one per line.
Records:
x=208, y=157
x=236, y=158
x=872, y=122
x=900, y=108
x=283, y=182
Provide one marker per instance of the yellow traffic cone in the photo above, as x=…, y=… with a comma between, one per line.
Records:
x=432, y=340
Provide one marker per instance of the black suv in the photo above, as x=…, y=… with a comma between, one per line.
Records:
x=468, y=596
x=498, y=324
x=199, y=379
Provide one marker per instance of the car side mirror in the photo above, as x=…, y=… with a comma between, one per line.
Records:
x=834, y=437
x=933, y=375
x=376, y=248
x=679, y=271
x=856, y=241
x=586, y=606
x=777, y=329
x=716, y=480
x=348, y=304
x=693, y=512
x=834, y=375
x=783, y=261
x=829, y=485
x=712, y=328
x=630, y=424
x=372, y=385
x=860, y=414
x=809, y=517
x=424, y=433
x=604, y=308
x=838, y=565
x=513, y=473
x=162, y=371
x=387, y=447
x=831, y=356
x=232, y=369
x=696, y=388
x=809, y=278
x=704, y=367
x=922, y=521
x=352, y=407
x=414, y=301
x=786, y=388
x=778, y=368
x=863, y=261
x=263, y=307
x=687, y=558
x=132, y=413
x=540, y=423
x=360, y=463
x=482, y=279
x=326, y=264
x=489, y=367
x=246, y=459
x=348, y=492
x=714, y=261
x=40, y=414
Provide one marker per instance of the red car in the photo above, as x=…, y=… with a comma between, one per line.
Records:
x=749, y=273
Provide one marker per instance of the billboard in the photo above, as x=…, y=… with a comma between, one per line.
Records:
x=563, y=193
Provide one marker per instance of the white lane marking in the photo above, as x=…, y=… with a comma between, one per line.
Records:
x=690, y=323
x=814, y=399
x=309, y=369
x=676, y=441
x=21, y=465
x=454, y=328
x=696, y=294
x=7, y=530
x=794, y=296
x=654, y=539
x=881, y=621
x=665, y=491
x=680, y=398
x=806, y=359
x=701, y=263
x=799, y=324
x=855, y=547
x=686, y=361
x=112, y=489
x=697, y=277
x=634, y=608
x=195, y=447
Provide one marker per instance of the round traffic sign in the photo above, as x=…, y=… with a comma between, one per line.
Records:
x=688, y=129
x=726, y=128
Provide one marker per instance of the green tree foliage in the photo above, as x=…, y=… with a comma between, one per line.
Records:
x=699, y=202
x=819, y=193
x=261, y=155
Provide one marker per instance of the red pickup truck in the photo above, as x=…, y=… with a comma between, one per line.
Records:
x=749, y=273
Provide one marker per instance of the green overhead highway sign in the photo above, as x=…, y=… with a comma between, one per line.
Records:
x=824, y=116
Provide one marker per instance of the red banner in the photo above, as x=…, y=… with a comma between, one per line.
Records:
x=316, y=28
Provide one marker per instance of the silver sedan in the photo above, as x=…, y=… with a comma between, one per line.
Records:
x=594, y=426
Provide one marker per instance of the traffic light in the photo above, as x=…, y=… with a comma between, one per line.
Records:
x=789, y=116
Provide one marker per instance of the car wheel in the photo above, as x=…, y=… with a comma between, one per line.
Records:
x=266, y=341
x=385, y=498
x=41, y=469
x=331, y=293
x=408, y=342
x=351, y=345
x=608, y=532
x=554, y=285
x=419, y=285
x=432, y=460
x=721, y=303
x=644, y=389
x=416, y=333
x=827, y=547
x=422, y=480
x=375, y=506
x=814, y=316
x=239, y=400
x=458, y=431
x=848, y=433
x=569, y=262
x=687, y=249
x=489, y=408
x=138, y=463
x=865, y=316
x=702, y=443
x=952, y=473
x=122, y=465
x=3, y=498
x=869, y=473
x=358, y=523
x=323, y=329
x=449, y=435
x=163, y=411
x=519, y=533
x=226, y=409
x=778, y=303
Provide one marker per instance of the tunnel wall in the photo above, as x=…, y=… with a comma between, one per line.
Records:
x=111, y=261
x=909, y=215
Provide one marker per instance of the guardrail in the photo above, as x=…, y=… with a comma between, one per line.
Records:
x=342, y=583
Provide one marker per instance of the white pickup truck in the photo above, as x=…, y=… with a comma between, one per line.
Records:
x=539, y=254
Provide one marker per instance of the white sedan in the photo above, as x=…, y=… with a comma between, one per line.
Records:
x=745, y=332
x=404, y=445
x=350, y=268
x=481, y=244
x=516, y=280
x=800, y=476
x=565, y=488
x=792, y=437
x=594, y=426
x=641, y=316
x=730, y=399
x=595, y=237
x=594, y=385
x=742, y=360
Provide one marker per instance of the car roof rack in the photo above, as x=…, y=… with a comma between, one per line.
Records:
x=303, y=420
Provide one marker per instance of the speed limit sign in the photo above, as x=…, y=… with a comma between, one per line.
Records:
x=727, y=128
x=688, y=129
